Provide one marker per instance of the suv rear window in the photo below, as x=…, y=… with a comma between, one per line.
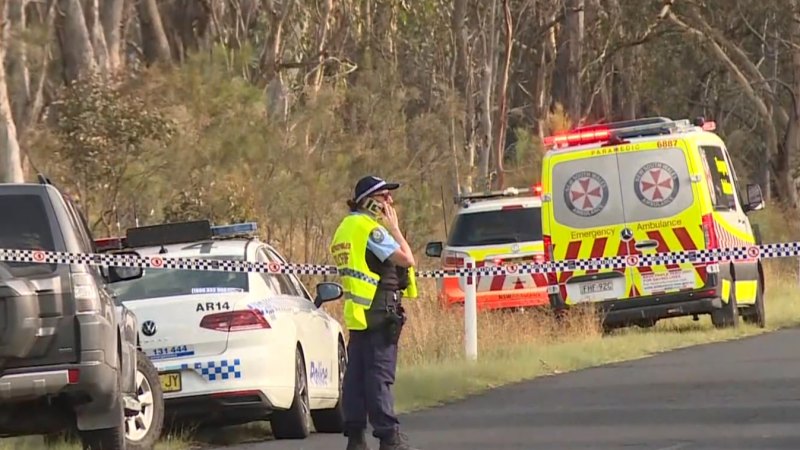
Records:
x=497, y=227
x=26, y=226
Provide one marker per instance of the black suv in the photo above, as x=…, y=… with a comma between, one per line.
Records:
x=68, y=354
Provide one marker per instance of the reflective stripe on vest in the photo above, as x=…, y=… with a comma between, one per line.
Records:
x=349, y=247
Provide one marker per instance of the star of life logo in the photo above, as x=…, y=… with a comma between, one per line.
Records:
x=656, y=184
x=586, y=193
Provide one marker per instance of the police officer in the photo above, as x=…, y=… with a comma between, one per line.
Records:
x=376, y=267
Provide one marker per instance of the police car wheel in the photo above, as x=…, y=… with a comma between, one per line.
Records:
x=332, y=420
x=295, y=422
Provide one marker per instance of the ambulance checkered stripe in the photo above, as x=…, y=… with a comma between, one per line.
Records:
x=774, y=250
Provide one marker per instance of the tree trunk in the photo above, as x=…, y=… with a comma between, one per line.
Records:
x=16, y=63
x=503, y=119
x=98, y=38
x=111, y=12
x=10, y=162
x=76, y=46
x=154, y=41
x=489, y=55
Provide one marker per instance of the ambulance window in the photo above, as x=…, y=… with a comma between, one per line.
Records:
x=497, y=227
x=656, y=184
x=719, y=178
x=586, y=192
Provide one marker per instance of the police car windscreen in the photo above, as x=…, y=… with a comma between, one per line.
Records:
x=173, y=282
x=25, y=226
x=497, y=227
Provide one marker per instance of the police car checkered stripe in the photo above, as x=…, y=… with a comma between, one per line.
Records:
x=774, y=250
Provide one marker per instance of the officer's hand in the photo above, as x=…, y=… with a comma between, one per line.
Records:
x=391, y=217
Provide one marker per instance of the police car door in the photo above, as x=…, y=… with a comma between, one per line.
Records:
x=311, y=323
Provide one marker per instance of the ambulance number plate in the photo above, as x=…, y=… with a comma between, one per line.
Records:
x=596, y=287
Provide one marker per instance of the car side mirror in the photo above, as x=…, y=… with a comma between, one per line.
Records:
x=755, y=199
x=327, y=292
x=433, y=249
x=114, y=274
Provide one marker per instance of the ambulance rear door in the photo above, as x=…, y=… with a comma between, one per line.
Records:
x=586, y=220
x=663, y=214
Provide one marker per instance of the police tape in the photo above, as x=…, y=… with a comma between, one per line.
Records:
x=709, y=256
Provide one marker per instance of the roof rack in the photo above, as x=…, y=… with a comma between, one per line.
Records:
x=618, y=132
x=465, y=199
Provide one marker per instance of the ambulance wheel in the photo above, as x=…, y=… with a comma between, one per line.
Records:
x=728, y=315
x=756, y=314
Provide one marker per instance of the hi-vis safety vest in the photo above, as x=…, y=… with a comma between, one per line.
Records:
x=349, y=248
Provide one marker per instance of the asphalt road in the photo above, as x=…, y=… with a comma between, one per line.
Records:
x=742, y=394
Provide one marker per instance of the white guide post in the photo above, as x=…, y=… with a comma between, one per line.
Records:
x=469, y=286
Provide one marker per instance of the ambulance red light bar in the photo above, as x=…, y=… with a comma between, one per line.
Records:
x=578, y=137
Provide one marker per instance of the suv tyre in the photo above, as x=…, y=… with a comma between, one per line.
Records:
x=143, y=430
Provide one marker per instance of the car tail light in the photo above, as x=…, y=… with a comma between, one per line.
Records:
x=452, y=258
x=235, y=321
x=508, y=207
x=73, y=376
x=548, y=248
x=709, y=233
x=87, y=297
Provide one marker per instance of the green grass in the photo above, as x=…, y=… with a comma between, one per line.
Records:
x=422, y=385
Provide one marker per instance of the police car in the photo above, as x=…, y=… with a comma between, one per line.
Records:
x=495, y=228
x=647, y=186
x=234, y=347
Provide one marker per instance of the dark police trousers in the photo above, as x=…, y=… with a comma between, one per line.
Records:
x=370, y=374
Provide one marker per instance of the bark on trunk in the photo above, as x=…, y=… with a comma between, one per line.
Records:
x=10, y=162
x=154, y=41
x=76, y=46
x=16, y=63
x=98, y=39
x=111, y=21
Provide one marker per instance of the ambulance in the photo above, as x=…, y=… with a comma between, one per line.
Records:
x=642, y=187
x=495, y=228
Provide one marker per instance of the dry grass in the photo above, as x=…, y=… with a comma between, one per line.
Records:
x=512, y=347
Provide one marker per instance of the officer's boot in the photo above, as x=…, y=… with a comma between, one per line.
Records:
x=357, y=441
x=396, y=441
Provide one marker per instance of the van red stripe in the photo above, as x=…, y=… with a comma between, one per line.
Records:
x=662, y=246
x=685, y=239
x=598, y=247
x=572, y=253
x=688, y=244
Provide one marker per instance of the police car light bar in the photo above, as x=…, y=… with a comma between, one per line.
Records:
x=507, y=192
x=237, y=229
x=168, y=233
x=109, y=243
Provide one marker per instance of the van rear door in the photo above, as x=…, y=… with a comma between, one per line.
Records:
x=586, y=221
x=662, y=210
